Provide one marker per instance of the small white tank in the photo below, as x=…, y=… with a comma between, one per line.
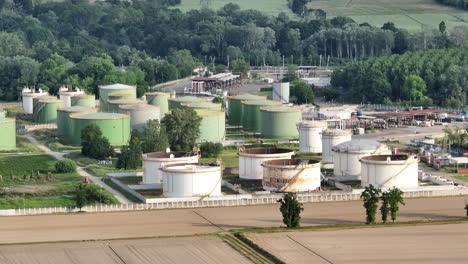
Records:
x=66, y=95
x=281, y=92
x=28, y=100
x=346, y=156
x=140, y=114
x=331, y=138
x=387, y=171
x=152, y=162
x=291, y=175
x=191, y=180
x=250, y=160
x=310, y=136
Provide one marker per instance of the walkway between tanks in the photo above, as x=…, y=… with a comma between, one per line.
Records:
x=59, y=156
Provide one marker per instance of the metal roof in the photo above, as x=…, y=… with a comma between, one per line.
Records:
x=76, y=108
x=117, y=86
x=100, y=115
x=358, y=145
x=138, y=107
x=281, y=109
x=203, y=104
x=188, y=99
x=262, y=102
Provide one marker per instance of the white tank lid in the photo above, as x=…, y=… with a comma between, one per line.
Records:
x=359, y=145
x=313, y=124
x=337, y=132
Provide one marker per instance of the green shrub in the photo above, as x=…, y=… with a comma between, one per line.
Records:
x=211, y=150
x=65, y=166
x=96, y=194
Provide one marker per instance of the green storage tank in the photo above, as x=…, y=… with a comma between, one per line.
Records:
x=159, y=99
x=35, y=103
x=119, y=96
x=177, y=102
x=45, y=111
x=8, y=134
x=235, y=107
x=114, y=106
x=105, y=90
x=205, y=106
x=280, y=121
x=64, y=122
x=251, y=118
x=86, y=100
x=212, y=126
x=115, y=127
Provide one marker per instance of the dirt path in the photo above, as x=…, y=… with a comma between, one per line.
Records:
x=98, y=180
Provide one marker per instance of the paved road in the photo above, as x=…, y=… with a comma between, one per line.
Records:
x=98, y=180
x=157, y=223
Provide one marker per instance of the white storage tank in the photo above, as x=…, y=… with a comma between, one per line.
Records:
x=346, y=156
x=152, y=162
x=387, y=171
x=281, y=92
x=291, y=175
x=310, y=136
x=331, y=138
x=191, y=180
x=66, y=95
x=28, y=96
x=140, y=114
x=250, y=160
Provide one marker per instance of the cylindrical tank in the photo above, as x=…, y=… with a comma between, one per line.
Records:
x=7, y=133
x=140, y=114
x=291, y=175
x=190, y=180
x=310, y=136
x=87, y=100
x=113, y=106
x=66, y=95
x=2, y=113
x=331, y=138
x=205, y=106
x=250, y=160
x=119, y=96
x=387, y=171
x=179, y=101
x=281, y=92
x=64, y=122
x=35, y=102
x=280, y=121
x=159, y=99
x=105, y=90
x=152, y=162
x=28, y=101
x=115, y=127
x=235, y=107
x=346, y=156
x=45, y=111
x=212, y=126
x=251, y=118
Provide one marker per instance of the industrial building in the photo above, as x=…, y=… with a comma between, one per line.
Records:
x=251, y=118
x=250, y=160
x=140, y=114
x=8, y=134
x=291, y=175
x=153, y=162
x=212, y=126
x=183, y=100
x=159, y=99
x=106, y=90
x=223, y=80
x=281, y=92
x=280, y=121
x=64, y=121
x=28, y=96
x=235, y=107
x=331, y=138
x=310, y=136
x=45, y=109
x=86, y=100
x=115, y=127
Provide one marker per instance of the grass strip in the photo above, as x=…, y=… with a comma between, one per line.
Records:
x=127, y=195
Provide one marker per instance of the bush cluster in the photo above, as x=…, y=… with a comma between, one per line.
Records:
x=65, y=166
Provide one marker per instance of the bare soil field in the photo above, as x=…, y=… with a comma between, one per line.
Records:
x=143, y=251
x=409, y=244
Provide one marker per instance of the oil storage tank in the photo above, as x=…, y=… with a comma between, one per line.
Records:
x=159, y=99
x=280, y=121
x=113, y=106
x=205, y=106
x=105, y=90
x=281, y=92
x=250, y=160
x=66, y=94
x=291, y=175
x=153, y=162
x=64, y=122
x=7, y=134
x=387, y=171
x=346, y=156
x=45, y=111
x=115, y=127
x=310, y=136
x=35, y=102
x=28, y=96
x=191, y=180
x=235, y=107
x=331, y=138
x=212, y=126
x=251, y=118
x=183, y=100
x=87, y=100
x=140, y=114
x=119, y=96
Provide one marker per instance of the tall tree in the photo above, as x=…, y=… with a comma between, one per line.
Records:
x=182, y=127
x=154, y=137
x=93, y=144
x=130, y=156
x=291, y=210
x=370, y=196
x=395, y=198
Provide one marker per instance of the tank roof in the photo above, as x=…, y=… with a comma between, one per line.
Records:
x=158, y=93
x=119, y=94
x=85, y=95
x=262, y=102
x=191, y=168
x=188, y=99
x=247, y=96
x=204, y=104
x=203, y=112
x=138, y=107
x=398, y=157
x=76, y=108
x=166, y=155
x=6, y=120
x=364, y=145
x=71, y=92
x=117, y=86
x=291, y=162
x=127, y=101
x=263, y=151
x=308, y=123
x=50, y=100
x=280, y=109
x=34, y=94
x=99, y=115
x=337, y=132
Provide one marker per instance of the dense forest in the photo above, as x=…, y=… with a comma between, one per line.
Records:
x=463, y=4
x=80, y=44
